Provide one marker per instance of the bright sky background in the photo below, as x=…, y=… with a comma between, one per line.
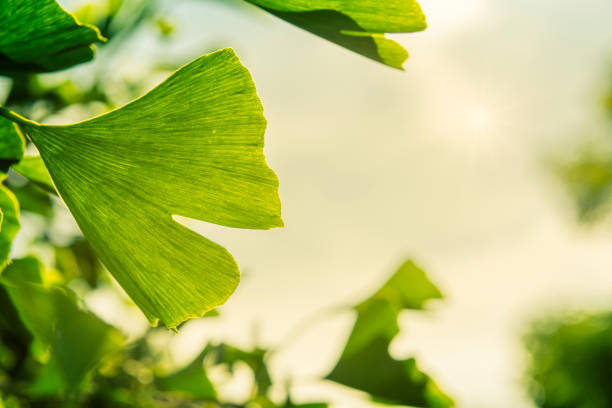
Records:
x=442, y=163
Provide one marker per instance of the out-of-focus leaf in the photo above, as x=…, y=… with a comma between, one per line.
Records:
x=12, y=144
x=10, y=223
x=193, y=146
x=571, y=361
x=38, y=35
x=33, y=168
x=358, y=25
x=33, y=199
x=588, y=179
x=255, y=359
x=190, y=380
x=78, y=260
x=365, y=363
x=78, y=340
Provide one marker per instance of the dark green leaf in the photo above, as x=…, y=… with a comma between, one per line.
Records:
x=193, y=147
x=191, y=380
x=366, y=364
x=77, y=339
x=357, y=25
x=38, y=35
x=12, y=144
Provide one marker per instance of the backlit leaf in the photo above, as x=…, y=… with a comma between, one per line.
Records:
x=38, y=35
x=358, y=25
x=193, y=147
x=366, y=364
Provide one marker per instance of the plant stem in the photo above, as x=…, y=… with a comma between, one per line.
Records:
x=14, y=117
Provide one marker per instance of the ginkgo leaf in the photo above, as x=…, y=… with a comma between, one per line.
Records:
x=358, y=25
x=38, y=35
x=193, y=147
x=366, y=364
x=12, y=144
x=10, y=223
x=78, y=340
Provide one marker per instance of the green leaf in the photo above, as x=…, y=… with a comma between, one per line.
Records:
x=38, y=35
x=77, y=339
x=33, y=168
x=365, y=363
x=9, y=207
x=193, y=147
x=190, y=380
x=12, y=144
x=33, y=199
x=357, y=25
x=77, y=260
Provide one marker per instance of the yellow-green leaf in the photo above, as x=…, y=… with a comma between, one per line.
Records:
x=193, y=147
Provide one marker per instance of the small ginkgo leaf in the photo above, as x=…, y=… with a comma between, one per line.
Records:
x=193, y=147
x=10, y=223
x=366, y=364
x=358, y=25
x=38, y=35
x=12, y=144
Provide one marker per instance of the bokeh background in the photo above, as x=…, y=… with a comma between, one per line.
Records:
x=448, y=163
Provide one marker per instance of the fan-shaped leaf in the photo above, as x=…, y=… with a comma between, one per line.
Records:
x=358, y=25
x=193, y=147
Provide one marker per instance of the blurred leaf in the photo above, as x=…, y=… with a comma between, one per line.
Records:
x=33, y=168
x=50, y=40
x=193, y=146
x=78, y=340
x=357, y=25
x=10, y=223
x=588, y=179
x=78, y=260
x=571, y=361
x=33, y=199
x=255, y=359
x=191, y=380
x=12, y=144
x=365, y=363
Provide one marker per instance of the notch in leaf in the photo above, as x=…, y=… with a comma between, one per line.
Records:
x=358, y=25
x=39, y=35
x=193, y=147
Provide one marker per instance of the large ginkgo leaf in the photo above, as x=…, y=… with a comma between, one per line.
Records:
x=193, y=146
x=366, y=364
x=38, y=35
x=358, y=25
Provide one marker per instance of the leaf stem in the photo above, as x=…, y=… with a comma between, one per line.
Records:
x=15, y=117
